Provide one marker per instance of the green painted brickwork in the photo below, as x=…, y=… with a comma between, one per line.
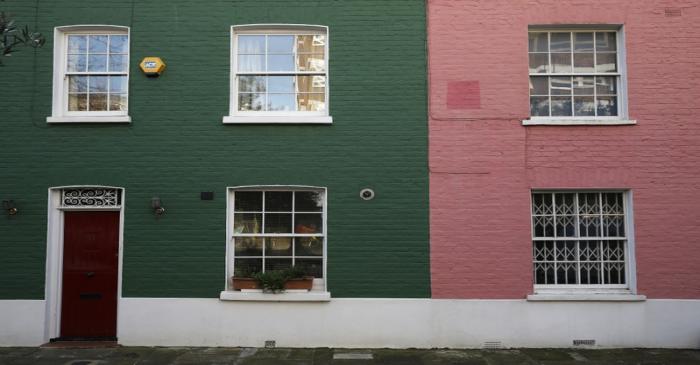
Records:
x=177, y=145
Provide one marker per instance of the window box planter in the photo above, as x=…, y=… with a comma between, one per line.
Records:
x=244, y=283
x=305, y=283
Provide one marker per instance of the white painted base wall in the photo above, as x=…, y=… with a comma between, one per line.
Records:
x=397, y=323
x=401, y=323
x=22, y=322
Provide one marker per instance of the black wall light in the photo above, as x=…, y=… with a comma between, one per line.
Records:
x=9, y=206
x=157, y=206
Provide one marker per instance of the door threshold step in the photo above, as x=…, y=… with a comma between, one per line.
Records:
x=79, y=344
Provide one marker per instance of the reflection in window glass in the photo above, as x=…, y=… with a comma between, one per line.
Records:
x=280, y=72
x=567, y=74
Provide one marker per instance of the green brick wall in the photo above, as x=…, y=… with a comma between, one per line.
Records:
x=176, y=145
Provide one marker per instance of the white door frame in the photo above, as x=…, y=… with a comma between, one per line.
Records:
x=54, y=254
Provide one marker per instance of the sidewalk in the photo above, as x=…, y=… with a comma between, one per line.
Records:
x=322, y=356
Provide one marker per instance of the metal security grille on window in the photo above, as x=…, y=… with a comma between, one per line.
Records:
x=281, y=72
x=275, y=230
x=579, y=238
x=574, y=74
x=91, y=198
x=97, y=68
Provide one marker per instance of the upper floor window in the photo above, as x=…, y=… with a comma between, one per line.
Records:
x=581, y=239
x=279, y=74
x=576, y=75
x=91, y=74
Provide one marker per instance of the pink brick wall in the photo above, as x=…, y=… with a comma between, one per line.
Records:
x=484, y=163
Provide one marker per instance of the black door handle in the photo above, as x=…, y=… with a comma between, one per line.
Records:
x=90, y=274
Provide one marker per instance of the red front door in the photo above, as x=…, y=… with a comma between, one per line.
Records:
x=90, y=270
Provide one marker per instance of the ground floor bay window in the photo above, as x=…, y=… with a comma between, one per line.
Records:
x=274, y=229
x=581, y=241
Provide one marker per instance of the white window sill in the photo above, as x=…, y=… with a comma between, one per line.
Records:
x=586, y=297
x=289, y=296
x=90, y=119
x=278, y=119
x=565, y=121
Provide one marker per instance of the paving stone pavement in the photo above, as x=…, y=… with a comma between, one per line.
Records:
x=326, y=356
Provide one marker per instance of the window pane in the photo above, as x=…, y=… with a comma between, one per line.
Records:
x=539, y=62
x=308, y=223
x=77, y=102
x=118, y=63
x=583, y=42
x=248, y=102
x=278, y=201
x=98, y=84
x=118, y=44
x=281, y=84
x=77, y=63
x=248, y=246
x=539, y=106
x=606, y=62
x=117, y=84
x=539, y=85
x=97, y=44
x=607, y=106
x=583, y=62
x=560, y=85
x=251, y=83
x=251, y=44
x=98, y=102
x=97, y=63
x=77, y=44
x=311, y=43
x=281, y=102
x=537, y=42
x=251, y=63
x=561, y=62
x=308, y=246
x=248, y=201
x=280, y=44
x=311, y=62
x=247, y=223
x=584, y=106
x=561, y=106
x=606, y=85
x=277, y=264
x=246, y=267
x=278, y=223
x=307, y=84
x=606, y=41
x=312, y=267
x=77, y=84
x=280, y=62
x=278, y=246
x=561, y=42
x=311, y=102
x=117, y=102
x=308, y=201
x=583, y=85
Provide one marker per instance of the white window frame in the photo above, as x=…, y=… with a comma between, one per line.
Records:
x=273, y=117
x=319, y=292
x=622, y=117
x=59, y=110
x=622, y=292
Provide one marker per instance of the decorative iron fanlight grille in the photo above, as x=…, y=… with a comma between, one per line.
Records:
x=91, y=197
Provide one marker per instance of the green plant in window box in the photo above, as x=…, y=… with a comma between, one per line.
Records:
x=275, y=281
x=243, y=279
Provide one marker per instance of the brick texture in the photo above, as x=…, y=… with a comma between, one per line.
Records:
x=177, y=145
x=483, y=162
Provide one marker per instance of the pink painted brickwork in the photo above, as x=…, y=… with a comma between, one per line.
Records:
x=484, y=163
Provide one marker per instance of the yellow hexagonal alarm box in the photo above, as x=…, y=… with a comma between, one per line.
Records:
x=152, y=66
